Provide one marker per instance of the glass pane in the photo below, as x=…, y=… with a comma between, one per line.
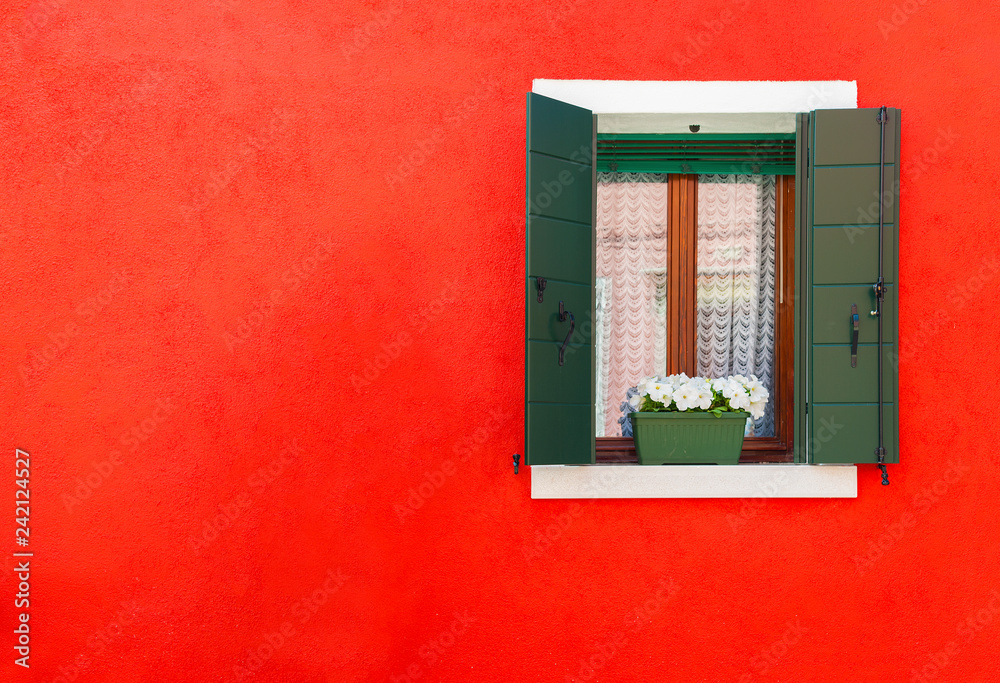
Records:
x=735, y=252
x=631, y=333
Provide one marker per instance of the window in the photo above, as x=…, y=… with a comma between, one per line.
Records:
x=829, y=405
x=725, y=240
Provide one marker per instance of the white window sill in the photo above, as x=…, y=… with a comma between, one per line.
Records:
x=694, y=481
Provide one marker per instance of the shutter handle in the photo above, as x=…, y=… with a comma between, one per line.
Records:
x=854, y=336
x=541, y=288
x=563, y=314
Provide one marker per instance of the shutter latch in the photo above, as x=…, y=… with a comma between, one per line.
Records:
x=879, y=289
x=565, y=315
x=517, y=461
x=541, y=288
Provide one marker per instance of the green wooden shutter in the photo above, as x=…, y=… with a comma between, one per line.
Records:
x=841, y=254
x=559, y=399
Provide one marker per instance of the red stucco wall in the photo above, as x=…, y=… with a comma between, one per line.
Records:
x=262, y=316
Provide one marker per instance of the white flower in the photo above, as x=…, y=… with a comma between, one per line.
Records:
x=740, y=400
x=758, y=393
x=642, y=386
x=757, y=409
x=677, y=381
x=686, y=396
x=719, y=384
x=705, y=397
x=659, y=392
x=731, y=388
x=699, y=382
x=634, y=402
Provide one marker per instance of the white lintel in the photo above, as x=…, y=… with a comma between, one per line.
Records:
x=681, y=97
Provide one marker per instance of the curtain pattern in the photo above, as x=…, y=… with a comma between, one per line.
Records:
x=631, y=333
x=735, y=281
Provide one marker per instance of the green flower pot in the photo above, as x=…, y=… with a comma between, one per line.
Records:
x=683, y=438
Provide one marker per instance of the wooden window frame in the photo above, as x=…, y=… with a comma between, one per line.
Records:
x=681, y=324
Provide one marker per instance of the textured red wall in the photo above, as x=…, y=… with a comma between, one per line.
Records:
x=262, y=317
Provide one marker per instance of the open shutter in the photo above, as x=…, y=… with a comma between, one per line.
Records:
x=841, y=250
x=560, y=263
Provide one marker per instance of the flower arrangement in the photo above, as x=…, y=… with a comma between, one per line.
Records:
x=700, y=394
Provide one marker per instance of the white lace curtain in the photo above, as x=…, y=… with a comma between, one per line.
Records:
x=735, y=283
x=630, y=335
x=735, y=253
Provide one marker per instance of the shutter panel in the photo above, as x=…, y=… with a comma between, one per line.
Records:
x=559, y=399
x=842, y=264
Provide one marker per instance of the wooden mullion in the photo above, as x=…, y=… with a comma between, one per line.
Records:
x=690, y=277
x=785, y=318
x=673, y=291
x=681, y=274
